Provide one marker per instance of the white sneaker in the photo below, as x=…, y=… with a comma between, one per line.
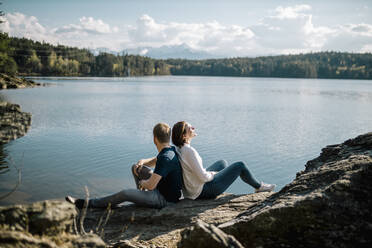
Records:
x=265, y=187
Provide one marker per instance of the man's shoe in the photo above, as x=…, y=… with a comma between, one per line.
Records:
x=265, y=187
x=79, y=203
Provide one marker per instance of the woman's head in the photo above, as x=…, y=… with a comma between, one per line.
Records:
x=182, y=132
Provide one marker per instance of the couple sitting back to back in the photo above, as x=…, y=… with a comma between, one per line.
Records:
x=176, y=169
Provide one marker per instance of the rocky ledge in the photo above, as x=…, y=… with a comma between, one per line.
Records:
x=327, y=205
x=48, y=224
x=12, y=82
x=13, y=122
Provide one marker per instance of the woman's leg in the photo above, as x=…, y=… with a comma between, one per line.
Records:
x=223, y=179
x=151, y=198
x=218, y=166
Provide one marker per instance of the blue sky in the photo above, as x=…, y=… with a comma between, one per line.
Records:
x=224, y=28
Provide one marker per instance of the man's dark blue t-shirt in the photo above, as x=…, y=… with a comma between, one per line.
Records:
x=169, y=168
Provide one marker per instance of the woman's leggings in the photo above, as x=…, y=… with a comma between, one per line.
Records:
x=225, y=177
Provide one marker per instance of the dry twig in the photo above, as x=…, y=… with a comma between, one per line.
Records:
x=84, y=211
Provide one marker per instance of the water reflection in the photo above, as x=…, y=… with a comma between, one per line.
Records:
x=3, y=164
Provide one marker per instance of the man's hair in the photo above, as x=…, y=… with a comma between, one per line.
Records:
x=162, y=132
x=178, y=132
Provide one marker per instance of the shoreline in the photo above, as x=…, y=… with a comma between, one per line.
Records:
x=185, y=75
x=327, y=204
x=13, y=122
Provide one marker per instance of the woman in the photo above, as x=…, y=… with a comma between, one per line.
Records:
x=201, y=183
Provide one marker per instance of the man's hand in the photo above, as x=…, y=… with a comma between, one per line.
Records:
x=138, y=166
x=140, y=185
x=141, y=162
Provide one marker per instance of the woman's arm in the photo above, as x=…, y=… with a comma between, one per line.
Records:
x=195, y=163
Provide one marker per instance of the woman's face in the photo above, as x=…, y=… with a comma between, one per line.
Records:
x=190, y=131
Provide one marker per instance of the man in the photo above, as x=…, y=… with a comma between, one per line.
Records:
x=161, y=188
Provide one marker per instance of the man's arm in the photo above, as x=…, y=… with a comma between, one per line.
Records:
x=150, y=183
x=151, y=162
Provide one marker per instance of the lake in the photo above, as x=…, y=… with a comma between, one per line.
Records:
x=89, y=131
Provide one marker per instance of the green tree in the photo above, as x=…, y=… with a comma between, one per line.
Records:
x=33, y=63
x=7, y=63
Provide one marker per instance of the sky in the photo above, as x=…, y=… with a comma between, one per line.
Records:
x=227, y=28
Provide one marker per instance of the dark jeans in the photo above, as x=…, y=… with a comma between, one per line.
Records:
x=225, y=177
x=150, y=198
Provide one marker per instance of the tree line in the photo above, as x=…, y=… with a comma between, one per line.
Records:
x=311, y=65
x=27, y=57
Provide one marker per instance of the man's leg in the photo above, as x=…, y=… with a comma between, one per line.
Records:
x=151, y=198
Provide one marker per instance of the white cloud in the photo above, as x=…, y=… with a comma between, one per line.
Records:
x=366, y=48
x=88, y=25
x=351, y=38
x=89, y=32
x=286, y=30
x=20, y=25
x=291, y=12
x=211, y=36
x=291, y=30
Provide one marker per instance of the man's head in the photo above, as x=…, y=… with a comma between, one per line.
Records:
x=162, y=133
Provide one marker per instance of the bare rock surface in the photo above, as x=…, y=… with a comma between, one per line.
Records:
x=13, y=82
x=133, y=226
x=202, y=233
x=13, y=122
x=328, y=204
x=42, y=224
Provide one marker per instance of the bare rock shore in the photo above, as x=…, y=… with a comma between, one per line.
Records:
x=12, y=82
x=13, y=122
x=327, y=205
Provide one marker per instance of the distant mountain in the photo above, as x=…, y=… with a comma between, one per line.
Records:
x=182, y=51
x=99, y=50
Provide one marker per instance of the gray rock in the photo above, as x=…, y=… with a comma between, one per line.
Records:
x=42, y=224
x=13, y=82
x=327, y=205
x=206, y=235
x=13, y=122
x=133, y=226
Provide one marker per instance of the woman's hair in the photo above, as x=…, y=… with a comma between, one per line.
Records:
x=178, y=132
x=162, y=132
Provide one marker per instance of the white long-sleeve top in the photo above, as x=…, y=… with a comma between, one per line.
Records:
x=194, y=174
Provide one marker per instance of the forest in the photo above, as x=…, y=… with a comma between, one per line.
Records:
x=26, y=57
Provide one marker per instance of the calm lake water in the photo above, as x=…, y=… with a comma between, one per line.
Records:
x=88, y=131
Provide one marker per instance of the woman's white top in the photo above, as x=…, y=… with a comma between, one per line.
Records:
x=194, y=174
